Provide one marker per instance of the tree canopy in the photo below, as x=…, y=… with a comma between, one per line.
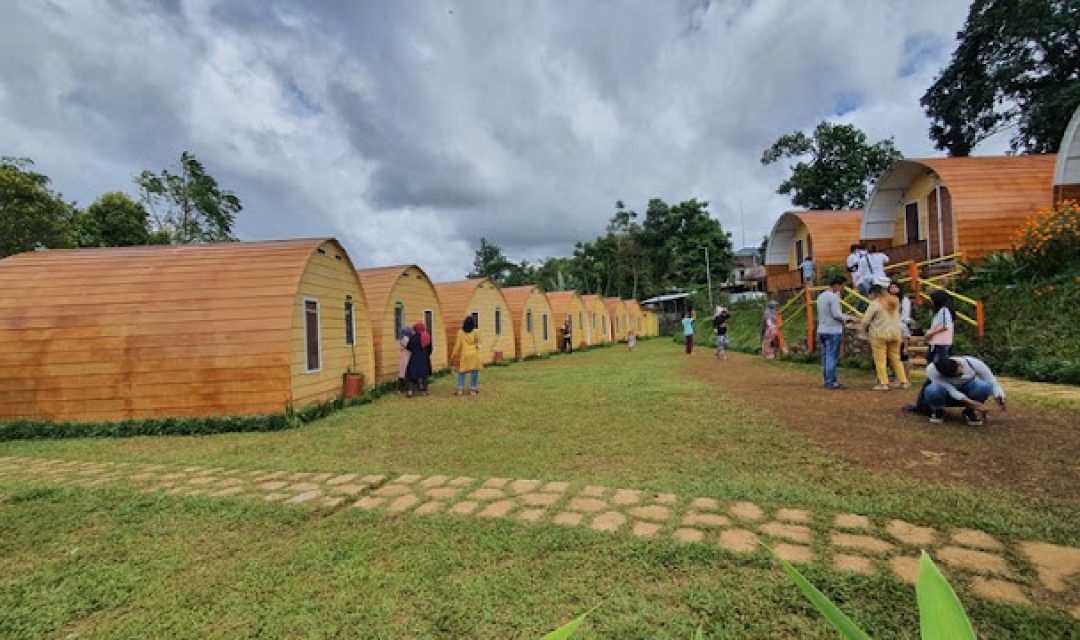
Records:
x=189, y=205
x=1017, y=65
x=115, y=220
x=836, y=165
x=32, y=216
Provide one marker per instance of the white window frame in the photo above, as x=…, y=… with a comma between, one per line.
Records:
x=318, y=333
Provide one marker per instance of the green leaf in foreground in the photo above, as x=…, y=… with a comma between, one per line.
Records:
x=941, y=616
x=569, y=628
x=822, y=603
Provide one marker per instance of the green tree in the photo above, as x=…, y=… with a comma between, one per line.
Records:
x=557, y=274
x=31, y=215
x=520, y=274
x=115, y=220
x=189, y=205
x=836, y=165
x=675, y=238
x=1017, y=64
x=630, y=262
x=490, y=262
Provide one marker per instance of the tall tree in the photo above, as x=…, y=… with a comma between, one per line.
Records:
x=115, y=220
x=1017, y=64
x=490, y=262
x=836, y=165
x=31, y=215
x=189, y=204
x=629, y=253
x=676, y=237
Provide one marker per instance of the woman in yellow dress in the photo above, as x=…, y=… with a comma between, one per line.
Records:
x=467, y=353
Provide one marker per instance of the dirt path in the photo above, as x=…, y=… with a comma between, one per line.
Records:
x=1032, y=450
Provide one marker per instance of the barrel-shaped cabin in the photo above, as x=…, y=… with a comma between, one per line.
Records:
x=936, y=207
x=634, y=318
x=619, y=321
x=1067, y=165
x=568, y=305
x=652, y=323
x=532, y=318
x=826, y=236
x=598, y=325
x=481, y=299
x=166, y=331
x=397, y=297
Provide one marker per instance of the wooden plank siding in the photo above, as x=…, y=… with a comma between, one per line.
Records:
x=598, y=322
x=109, y=334
x=523, y=301
x=633, y=316
x=570, y=304
x=482, y=297
x=616, y=311
x=406, y=285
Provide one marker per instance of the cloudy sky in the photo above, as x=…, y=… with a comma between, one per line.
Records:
x=408, y=129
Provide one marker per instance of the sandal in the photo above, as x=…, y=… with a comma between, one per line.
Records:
x=881, y=387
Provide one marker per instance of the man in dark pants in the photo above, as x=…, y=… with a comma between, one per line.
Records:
x=568, y=336
x=830, y=330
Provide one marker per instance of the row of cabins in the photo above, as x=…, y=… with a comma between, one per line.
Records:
x=929, y=208
x=247, y=327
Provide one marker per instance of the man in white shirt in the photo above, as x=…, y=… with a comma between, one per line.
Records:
x=961, y=381
x=877, y=260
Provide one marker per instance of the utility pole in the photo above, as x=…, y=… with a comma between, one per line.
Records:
x=708, y=276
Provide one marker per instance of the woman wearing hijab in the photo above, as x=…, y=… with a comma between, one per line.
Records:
x=404, y=356
x=419, y=369
x=467, y=353
x=770, y=331
x=720, y=319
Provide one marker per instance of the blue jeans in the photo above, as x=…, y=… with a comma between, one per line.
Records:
x=830, y=353
x=976, y=389
x=937, y=352
x=475, y=379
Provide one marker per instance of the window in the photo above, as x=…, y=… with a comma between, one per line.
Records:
x=528, y=321
x=399, y=319
x=544, y=319
x=603, y=324
x=312, y=337
x=581, y=319
x=350, y=324
x=798, y=252
x=911, y=222
x=429, y=323
x=498, y=321
x=476, y=318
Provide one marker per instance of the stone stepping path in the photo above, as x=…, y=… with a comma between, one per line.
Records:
x=1030, y=573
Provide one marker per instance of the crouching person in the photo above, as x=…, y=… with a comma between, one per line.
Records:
x=961, y=381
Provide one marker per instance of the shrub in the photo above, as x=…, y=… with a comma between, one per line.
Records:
x=1049, y=241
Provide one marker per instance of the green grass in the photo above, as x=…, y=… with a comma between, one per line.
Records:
x=192, y=567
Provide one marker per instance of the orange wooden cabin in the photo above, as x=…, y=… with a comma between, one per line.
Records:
x=398, y=296
x=826, y=235
x=533, y=320
x=569, y=305
x=482, y=299
x=194, y=330
x=935, y=207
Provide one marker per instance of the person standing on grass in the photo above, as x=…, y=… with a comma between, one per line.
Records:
x=882, y=322
x=905, y=325
x=962, y=381
x=770, y=331
x=467, y=353
x=403, y=358
x=568, y=335
x=808, y=270
x=688, y=330
x=631, y=340
x=419, y=369
x=719, y=322
x=939, y=338
x=830, y=330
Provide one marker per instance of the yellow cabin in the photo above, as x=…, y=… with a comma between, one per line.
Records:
x=634, y=320
x=596, y=317
x=195, y=330
x=397, y=297
x=534, y=328
x=652, y=326
x=569, y=305
x=935, y=207
x=619, y=319
x=481, y=299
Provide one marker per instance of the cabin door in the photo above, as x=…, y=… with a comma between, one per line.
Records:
x=941, y=223
x=798, y=253
x=911, y=222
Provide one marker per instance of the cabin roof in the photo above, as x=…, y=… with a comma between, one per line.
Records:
x=832, y=233
x=379, y=283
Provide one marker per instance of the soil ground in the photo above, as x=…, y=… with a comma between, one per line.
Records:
x=1030, y=449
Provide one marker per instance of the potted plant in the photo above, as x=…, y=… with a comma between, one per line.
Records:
x=352, y=384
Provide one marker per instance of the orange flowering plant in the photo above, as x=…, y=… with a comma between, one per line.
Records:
x=1049, y=241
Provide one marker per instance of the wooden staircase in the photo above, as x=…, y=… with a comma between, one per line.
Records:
x=916, y=349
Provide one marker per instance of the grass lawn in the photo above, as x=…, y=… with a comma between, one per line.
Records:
x=111, y=562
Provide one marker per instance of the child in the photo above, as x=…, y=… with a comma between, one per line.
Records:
x=631, y=340
x=720, y=329
x=467, y=352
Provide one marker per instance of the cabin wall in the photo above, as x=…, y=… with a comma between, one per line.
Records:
x=801, y=234
x=329, y=278
x=484, y=301
x=533, y=343
x=919, y=191
x=416, y=295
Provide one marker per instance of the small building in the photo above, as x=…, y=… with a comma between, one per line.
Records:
x=1067, y=166
x=669, y=309
x=935, y=207
x=634, y=318
x=167, y=331
x=568, y=305
x=616, y=311
x=481, y=299
x=652, y=323
x=749, y=271
x=397, y=297
x=825, y=235
x=531, y=315
x=597, y=321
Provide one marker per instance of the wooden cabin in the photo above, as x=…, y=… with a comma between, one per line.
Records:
x=534, y=326
x=826, y=235
x=569, y=305
x=1067, y=166
x=619, y=320
x=652, y=323
x=935, y=207
x=634, y=319
x=397, y=297
x=482, y=299
x=193, y=330
x=597, y=322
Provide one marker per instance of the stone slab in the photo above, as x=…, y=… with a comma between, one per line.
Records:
x=747, y=511
x=792, y=532
x=652, y=512
x=443, y=493
x=539, y=499
x=999, y=590
x=794, y=552
x=645, y=529
x=865, y=543
x=973, y=560
x=738, y=540
x=852, y=521
x=626, y=497
x=853, y=564
x=793, y=515
x=524, y=486
x=465, y=507
x=403, y=503
x=708, y=520
x=567, y=518
x=499, y=509
x=911, y=534
x=303, y=497
x=429, y=508
x=1054, y=563
x=486, y=494
x=608, y=521
x=369, y=502
x=975, y=539
x=555, y=487
x=593, y=491
x=705, y=504
x=686, y=534
x=587, y=505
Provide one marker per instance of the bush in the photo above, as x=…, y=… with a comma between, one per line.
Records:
x=1049, y=241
